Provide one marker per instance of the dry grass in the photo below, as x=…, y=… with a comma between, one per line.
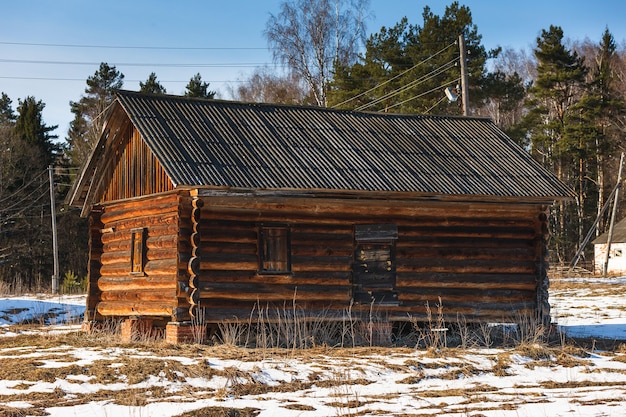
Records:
x=221, y=412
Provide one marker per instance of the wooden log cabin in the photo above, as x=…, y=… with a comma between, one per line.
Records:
x=227, y=205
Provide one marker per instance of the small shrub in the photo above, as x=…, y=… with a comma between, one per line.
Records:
x=72, y=284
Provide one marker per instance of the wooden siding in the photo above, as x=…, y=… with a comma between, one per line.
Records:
x=133, y=170
x=118, y=291
x=483, y=261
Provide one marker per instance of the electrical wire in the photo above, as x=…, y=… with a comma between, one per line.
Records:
x=423, y=94
x=131, y=81
x=410, y=85
x=15, y=193
x=24, y=209
x=19, y=201
x=170, y=48
x=137, y=64
x=397, y=76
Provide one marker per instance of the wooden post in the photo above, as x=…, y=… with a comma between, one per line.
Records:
x=464, y=79
x=613, y=214
x=55, y=248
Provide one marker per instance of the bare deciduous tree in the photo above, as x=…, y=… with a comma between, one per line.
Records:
x=311, y=36
x=263, y=86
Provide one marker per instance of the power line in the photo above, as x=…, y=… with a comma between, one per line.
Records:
x=410, y=85
x=23, y=187
x=136, y=64
x=131, y=81
x=425, y=93
x=20, y=201
x=397, y=76
x=172, y=48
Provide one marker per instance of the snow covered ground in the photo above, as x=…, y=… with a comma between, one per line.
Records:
x=49, y=368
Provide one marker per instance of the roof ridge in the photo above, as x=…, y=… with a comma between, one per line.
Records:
x=123, y=92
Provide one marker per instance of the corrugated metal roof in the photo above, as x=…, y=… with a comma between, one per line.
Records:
x=261, y=146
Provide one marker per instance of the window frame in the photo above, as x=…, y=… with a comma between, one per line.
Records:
x=281, y=248
x=137, y=250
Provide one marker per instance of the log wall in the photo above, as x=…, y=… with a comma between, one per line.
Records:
x=114, y=289
x=481, y=260
x=484, y=261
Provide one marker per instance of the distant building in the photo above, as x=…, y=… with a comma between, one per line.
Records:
x=617, y=257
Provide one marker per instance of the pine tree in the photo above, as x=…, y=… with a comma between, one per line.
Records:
x=559, y=85
x=599, y=113
x=27, y=150
x=151, y=86
x=89, y=112
x=406, y=68
x=197, y=88
x=7, y=115
x=31, y=129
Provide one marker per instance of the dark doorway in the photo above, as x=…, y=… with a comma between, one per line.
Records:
x=374, y=273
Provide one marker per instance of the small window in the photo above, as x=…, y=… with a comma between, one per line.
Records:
x=274, y=250
x=137, y=251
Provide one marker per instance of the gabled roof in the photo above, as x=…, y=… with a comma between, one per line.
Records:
x=619, y=234
x=273, y=147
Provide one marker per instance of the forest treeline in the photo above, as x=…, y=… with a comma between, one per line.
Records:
x=564, y=101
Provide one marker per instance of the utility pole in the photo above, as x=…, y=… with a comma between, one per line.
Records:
x=55, y=248
x=464, y=86
x=613, y=214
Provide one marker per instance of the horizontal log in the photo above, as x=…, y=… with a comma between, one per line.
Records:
x=475, y=253
x=152, y=268
x=136, y=308
x=321, y=249
x=237, y=277
x=530, y=220
x=209, y=247
x=476, y=232
x=153, y=231
x=378, y=208
x=314, y=227
x=476, y=299
x=207, y=267
x=326, y=261
x=128, y=210
x=468, y=281
x=250, y=236
x=465, y=266
x=328, y=238
x=136, y=283
x=246, y=258
x=164, y=295
x=160, y=242
x=419, y=242
x=152, y=254
x=270, y=293
x=145, y=221
x=312, y=267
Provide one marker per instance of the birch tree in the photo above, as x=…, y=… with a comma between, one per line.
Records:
x=310, y=37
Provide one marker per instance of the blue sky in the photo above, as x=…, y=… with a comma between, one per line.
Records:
x=228, y=35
